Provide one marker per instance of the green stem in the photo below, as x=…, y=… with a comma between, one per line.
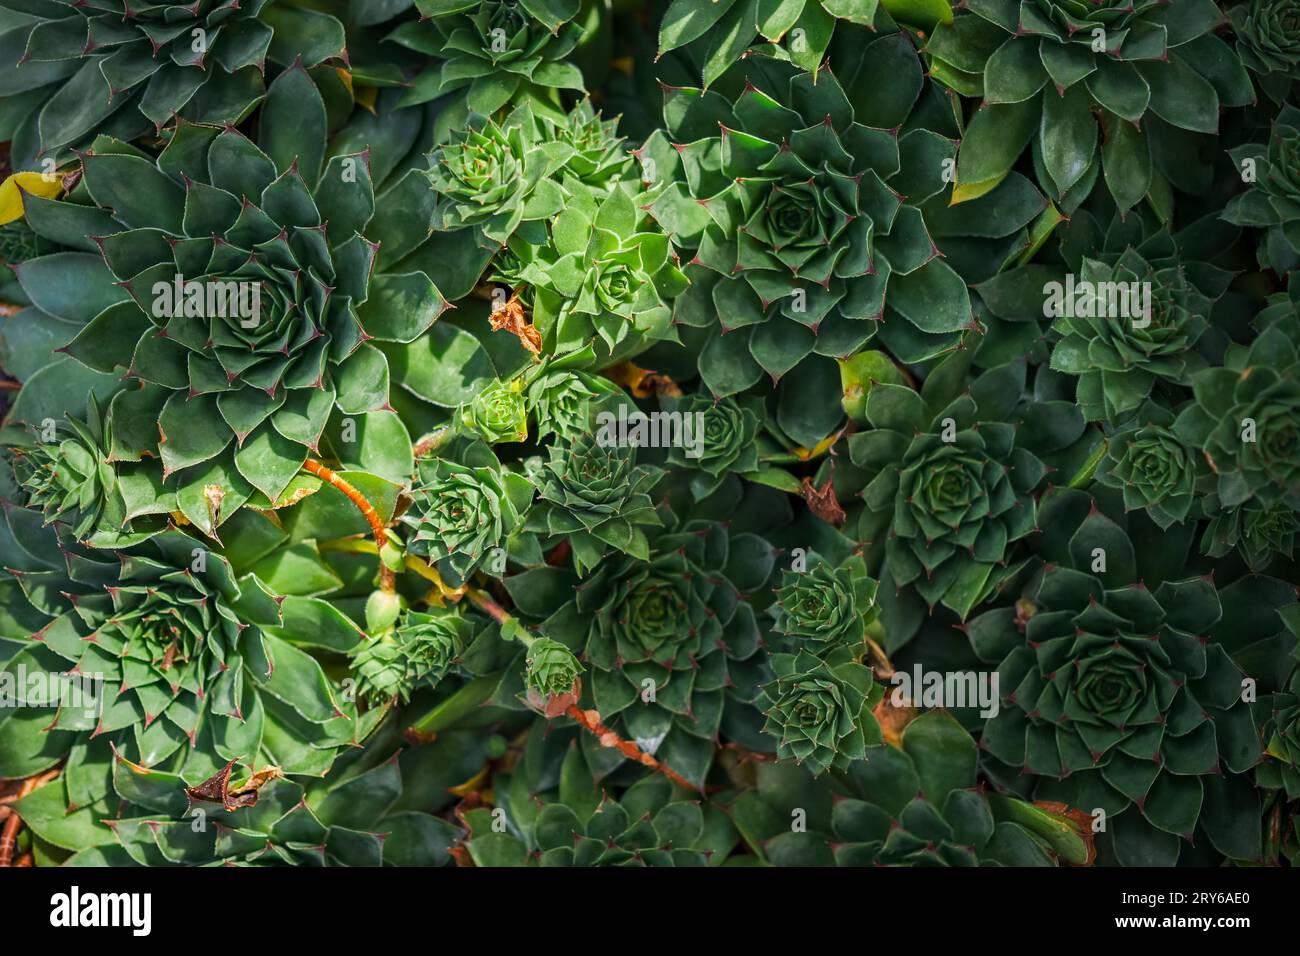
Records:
x=352, y=544
x=459, y=705
x=355, y=544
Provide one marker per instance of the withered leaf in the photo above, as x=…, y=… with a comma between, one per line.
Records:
x=512, y=319
x=823, y=503
x=216, y=789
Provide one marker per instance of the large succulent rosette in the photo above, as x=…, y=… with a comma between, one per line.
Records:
x=800, y=249
x=1245, y=420
x=1075, y=78
x=663, y=639
x=179, y=666
x=234, y=290
x=1272, y=198
x=1115, y=700
x=917, y=802
x=955, y=487
x=73, y=69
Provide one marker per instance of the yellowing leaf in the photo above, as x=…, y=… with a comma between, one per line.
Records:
x=965, y=192
x=11, y=199
x=346, y=77
x=803, y=454
x=470, y=785
x=366, y=96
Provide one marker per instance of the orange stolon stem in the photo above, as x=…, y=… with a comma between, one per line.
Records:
x=387, y=577
x=12, y=821
x=590, y=720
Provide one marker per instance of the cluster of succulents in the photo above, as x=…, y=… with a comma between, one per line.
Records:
x=569, y=433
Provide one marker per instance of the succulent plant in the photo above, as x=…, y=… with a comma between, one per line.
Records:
x=1044, y=67
x=1268, y=41
x=595, y=497
x=1280, y=769
x=75, y=69
x=355, y=816
x=551, y=667
x=498, y=413
x=800, y=248
x=957, y=489
x=1270, y=202
x=490, y=53
x=602, y=275
x=512, y=174
x=820, y=709
x=825, y=605
x=1120, y=352
x=1244, y=420
x=68, y=476
x=561, y=398
x=600, y=157
x=724, y=31
x=1257, y=531
x=657, y=635
x=1282, y=739
x=183, y=665
x=461, y=510
x=1114, y=699
x=1151, y=466
x=421, y=648
x=914, y=804
x=649, y=825
x=243, y=344
x=717, y=437
x=492, y=176
x=588, y=432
